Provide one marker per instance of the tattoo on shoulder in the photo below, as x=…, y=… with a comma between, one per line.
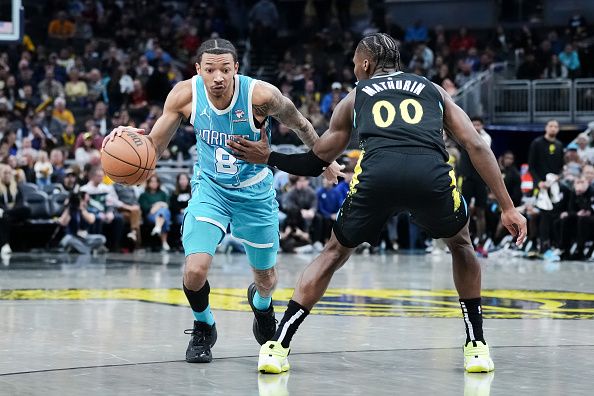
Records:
x=261, y=110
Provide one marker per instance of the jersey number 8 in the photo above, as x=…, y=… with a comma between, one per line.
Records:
x=382, y=122
x=225, y=162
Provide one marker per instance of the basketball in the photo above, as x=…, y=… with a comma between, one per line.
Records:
x=129, y=159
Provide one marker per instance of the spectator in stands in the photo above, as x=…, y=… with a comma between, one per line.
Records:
x=61, y=28
x=585, y=152
x=138, y=103
x=331, y=99
x=143, y=70
x=103, y=204
x=50, y=88
x=8, y=195
x=462, y=42
x=178, y=201
x=70, y=182
x=28, y=157
x=96, y=86
x=500, y=42
x=130, y=210
x=529, y=69
x=84, y=154
x=9, y=140
x=555, y=69
x=93, y=128
x=283, y=135
x=313, y=114
x=464, y=75
x=511, y=177
x=578, y=221
x=416, y=33
x=77, y=221
x=546, y=157
x=67, y=140
x=43, y=169
x=61, y=113
x=100, y=118
x=546, y=154
x=569, y=57
x=300, y=203
x=329, y=201
x=76, y=89
x=153, y=202
x=588, y=174
x=57, y=163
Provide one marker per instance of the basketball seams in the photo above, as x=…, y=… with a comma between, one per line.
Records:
x=144, y=168
x=125, y=162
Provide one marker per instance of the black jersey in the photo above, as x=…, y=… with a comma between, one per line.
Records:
x=400, y=110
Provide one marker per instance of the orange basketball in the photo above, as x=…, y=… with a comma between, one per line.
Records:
x=129, y=159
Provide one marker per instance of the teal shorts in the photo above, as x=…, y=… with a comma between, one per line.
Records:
x=251, y=212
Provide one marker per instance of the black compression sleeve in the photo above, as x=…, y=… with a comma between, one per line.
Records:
x=306, y=164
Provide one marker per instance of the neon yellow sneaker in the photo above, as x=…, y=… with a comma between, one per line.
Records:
x=477, y=358
x=273, y=358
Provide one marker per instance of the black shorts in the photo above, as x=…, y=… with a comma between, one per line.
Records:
x=388, y=181
x=477, y=189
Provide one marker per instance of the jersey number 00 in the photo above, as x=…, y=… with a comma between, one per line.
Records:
x=406, y=116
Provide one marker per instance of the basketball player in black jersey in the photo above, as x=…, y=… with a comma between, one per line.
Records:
x=400, y=118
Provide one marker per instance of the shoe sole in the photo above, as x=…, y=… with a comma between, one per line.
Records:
x=270, y=366
x=479, y=366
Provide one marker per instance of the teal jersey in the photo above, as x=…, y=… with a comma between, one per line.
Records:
x=213, y=127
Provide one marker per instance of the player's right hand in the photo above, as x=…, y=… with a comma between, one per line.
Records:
x=118, y=132
x=515, y=223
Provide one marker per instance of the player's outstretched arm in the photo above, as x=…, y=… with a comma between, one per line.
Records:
x=177, y=106
x=326, y=149
x=459, y=125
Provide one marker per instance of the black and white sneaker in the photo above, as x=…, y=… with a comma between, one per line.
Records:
x=265, y=322
x=203, y=338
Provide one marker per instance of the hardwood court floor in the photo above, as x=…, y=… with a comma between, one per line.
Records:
x=113, y=325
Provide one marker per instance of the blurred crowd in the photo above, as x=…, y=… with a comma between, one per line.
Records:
x=85, y=67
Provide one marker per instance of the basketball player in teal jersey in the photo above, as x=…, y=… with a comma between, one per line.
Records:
x=223, y=105
x=403, y=166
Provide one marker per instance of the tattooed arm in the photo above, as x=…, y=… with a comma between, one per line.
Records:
x=267, y=100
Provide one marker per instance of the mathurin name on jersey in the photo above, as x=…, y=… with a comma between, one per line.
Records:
x=403, y=85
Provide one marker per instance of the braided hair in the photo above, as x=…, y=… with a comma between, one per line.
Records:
x=217, y=46
x=383, y=49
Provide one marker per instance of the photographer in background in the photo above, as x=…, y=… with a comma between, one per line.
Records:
x=77, y=220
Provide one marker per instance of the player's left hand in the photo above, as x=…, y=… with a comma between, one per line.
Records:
x=256, y=152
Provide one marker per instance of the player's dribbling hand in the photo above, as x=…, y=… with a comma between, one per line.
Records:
x=333, y=171
x=515, y=224
x=118, y=132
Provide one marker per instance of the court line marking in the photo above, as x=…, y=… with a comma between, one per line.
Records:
x=292, y=354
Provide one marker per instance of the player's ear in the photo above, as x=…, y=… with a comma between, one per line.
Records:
x=236, y=67
x=197, y=65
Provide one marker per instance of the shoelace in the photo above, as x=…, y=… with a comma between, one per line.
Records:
x=199, y=335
